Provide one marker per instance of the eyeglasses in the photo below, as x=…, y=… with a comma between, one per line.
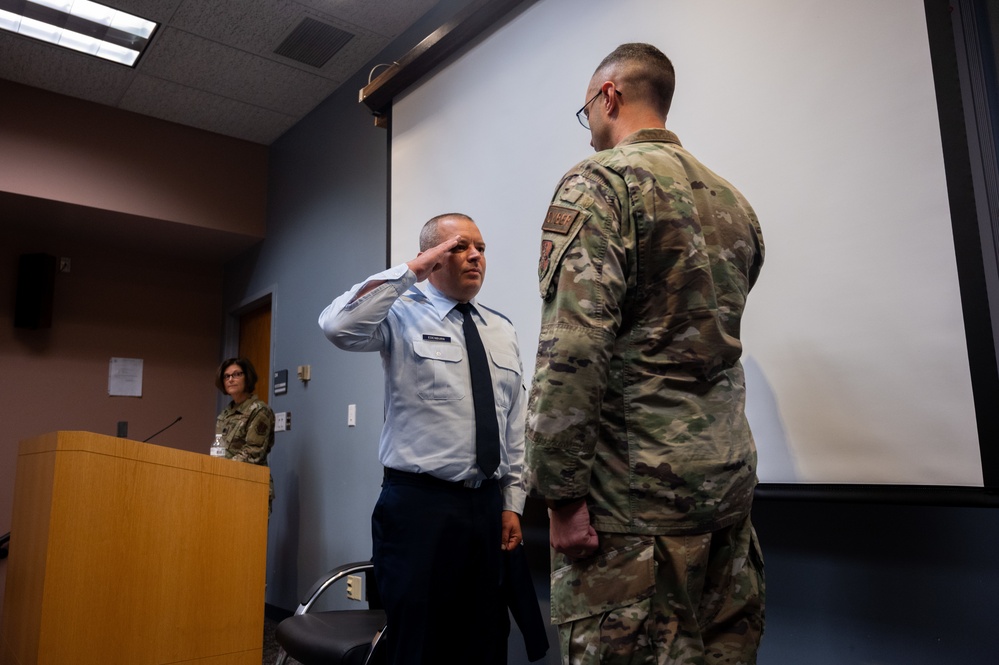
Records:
x=234, y=375
x=583, y=114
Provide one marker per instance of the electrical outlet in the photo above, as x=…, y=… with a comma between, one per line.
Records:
x=354, y=587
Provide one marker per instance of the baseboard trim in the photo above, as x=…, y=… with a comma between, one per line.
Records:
x=275, y=613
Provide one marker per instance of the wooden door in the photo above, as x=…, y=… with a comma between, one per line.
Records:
x=255, y=345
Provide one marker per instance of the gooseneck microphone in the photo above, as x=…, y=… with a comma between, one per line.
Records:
x=164, y=429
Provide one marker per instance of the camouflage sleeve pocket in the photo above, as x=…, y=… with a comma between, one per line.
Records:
x=559, y=229
x=613, y=579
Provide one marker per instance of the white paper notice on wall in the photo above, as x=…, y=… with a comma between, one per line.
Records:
x=125, y=377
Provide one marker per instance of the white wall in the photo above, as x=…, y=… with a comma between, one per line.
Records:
x=824, y=115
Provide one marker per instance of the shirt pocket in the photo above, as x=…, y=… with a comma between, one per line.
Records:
x=440, y=372
x=614, y=579
x=506, y=376
x=234, y=431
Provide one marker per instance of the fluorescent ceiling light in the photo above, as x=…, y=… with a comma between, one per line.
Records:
x=80, y=25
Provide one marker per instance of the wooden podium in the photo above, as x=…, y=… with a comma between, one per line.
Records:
x=127, y=552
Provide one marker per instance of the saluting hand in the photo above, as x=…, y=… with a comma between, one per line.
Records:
x=430, y=261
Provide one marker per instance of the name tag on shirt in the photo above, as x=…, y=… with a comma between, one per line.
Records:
x=436, y=338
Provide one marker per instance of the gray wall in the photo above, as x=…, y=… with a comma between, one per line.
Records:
x=848, y=583
x=326, y=229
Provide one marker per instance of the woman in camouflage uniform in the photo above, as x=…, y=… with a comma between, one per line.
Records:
x=247, y=424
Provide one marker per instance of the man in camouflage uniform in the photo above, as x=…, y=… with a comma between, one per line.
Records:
x=636, y=433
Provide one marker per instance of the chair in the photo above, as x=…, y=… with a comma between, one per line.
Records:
x=338, y=637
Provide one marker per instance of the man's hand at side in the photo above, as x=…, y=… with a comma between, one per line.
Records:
x=570, y=530
x=512, y=535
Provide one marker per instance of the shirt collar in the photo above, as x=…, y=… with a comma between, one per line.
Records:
x=243, y=406
x=655, y=134
x=441, y=303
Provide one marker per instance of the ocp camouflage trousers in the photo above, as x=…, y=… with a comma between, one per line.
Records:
x=664, y=600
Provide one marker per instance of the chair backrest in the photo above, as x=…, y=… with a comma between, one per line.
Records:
x=335, y=637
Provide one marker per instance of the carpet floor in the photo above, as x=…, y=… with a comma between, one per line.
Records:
x=271, y=647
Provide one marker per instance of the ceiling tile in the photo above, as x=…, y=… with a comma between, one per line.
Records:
x=264, y=24
x=50, y=67
x=154, y=10
x=209, y=66
x=388, y=18
x=212, y=65
x=261, y=26
x=196, y=108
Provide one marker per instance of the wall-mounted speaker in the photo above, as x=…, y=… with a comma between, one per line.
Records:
x=35, y=290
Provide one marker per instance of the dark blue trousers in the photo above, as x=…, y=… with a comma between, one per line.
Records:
x=438, y=565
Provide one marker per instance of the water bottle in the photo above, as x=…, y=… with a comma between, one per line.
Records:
x=218, y=447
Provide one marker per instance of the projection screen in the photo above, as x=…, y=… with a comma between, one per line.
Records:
x=824, y=115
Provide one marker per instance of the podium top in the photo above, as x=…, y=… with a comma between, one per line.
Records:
x=137, y=451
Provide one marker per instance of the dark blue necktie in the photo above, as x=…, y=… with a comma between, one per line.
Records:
x=486, y=428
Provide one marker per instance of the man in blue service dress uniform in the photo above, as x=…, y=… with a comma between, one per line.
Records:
x=452, y=446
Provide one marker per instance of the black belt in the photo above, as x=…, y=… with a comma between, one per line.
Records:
x=433, y=481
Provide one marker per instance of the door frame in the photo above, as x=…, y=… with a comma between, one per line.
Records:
x=230, y=334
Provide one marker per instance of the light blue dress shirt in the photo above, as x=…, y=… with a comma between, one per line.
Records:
x=429, y=415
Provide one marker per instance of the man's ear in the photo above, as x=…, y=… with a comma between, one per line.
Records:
x=612, y=98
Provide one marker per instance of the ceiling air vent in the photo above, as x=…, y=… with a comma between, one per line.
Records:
x=313, y=42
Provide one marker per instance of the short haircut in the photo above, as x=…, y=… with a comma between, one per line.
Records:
x=430, y=234
x=645, y=71
x=249, y=374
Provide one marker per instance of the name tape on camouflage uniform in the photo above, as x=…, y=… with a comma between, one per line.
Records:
x=559, y=219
